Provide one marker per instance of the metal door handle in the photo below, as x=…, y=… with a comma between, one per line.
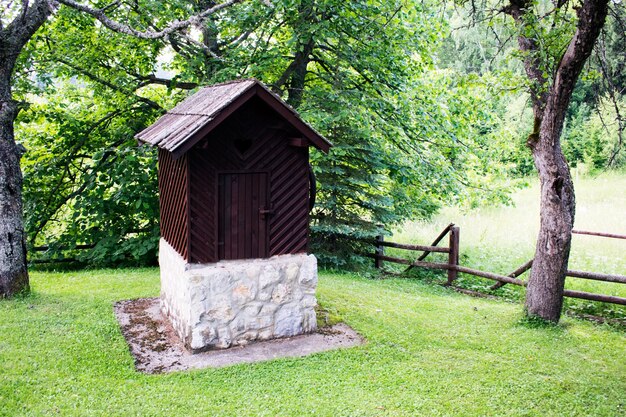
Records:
x=266, y=211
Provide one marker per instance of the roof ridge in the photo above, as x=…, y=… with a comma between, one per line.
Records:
x=235, y=81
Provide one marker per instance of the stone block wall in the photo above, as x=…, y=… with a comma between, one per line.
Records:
x=231, y=303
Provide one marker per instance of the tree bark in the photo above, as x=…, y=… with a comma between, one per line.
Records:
x=295, y=74
x=13, y=268
x=544, y=295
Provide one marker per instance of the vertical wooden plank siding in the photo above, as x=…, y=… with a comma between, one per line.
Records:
x=173, y=201
x=242, y=221
x=263, y=232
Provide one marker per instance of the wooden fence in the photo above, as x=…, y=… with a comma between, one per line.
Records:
x=453, y=267
x=45, y=248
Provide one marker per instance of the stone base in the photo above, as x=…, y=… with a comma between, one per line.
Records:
x=231, y=303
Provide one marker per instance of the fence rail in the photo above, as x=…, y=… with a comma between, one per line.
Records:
x=77, y=247
x=601, y=234
x=453, y=267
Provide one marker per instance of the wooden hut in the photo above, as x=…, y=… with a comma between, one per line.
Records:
x=234, y=176
x=234, y=181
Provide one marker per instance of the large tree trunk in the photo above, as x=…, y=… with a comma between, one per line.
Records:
x=13, y=37
x=544, y=296
x=13, y=271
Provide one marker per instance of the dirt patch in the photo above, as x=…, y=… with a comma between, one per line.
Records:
x=151, y=339
x=156, y=347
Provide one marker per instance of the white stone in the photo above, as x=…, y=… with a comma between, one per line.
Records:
x=243, y=293
x=289, y=320
x=269, y=309
x=219, y=281
x=224, y=338
x=248, y=336
x=309, y=324
x=308, y=272
x=266, y=334
x=263, y=322
x=238, y=325
x=253, y=309
x=264, y=295
x=222, y=314
x=268, y=277
x=308, y=301
x=292, y=272
x=253, y=271
x=204, y=335
x=281, y=294
x=233, y=302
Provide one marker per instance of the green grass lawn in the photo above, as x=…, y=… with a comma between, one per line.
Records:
x=430, y=352
x=500, y=239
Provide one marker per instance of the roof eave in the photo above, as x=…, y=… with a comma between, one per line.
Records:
x=289, y=114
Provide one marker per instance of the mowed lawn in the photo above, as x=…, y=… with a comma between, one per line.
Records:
x=430, y=352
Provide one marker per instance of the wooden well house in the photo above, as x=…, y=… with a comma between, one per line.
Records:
x=235, y=194
x=234, y=174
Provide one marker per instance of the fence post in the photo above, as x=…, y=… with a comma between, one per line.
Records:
x=453, y=256
x=380, y=250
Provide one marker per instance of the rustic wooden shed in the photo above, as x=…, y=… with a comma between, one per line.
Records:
x=234, y=176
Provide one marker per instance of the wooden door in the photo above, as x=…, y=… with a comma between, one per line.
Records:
x=243, y=205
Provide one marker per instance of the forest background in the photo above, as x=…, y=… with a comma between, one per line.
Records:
x=426, y=104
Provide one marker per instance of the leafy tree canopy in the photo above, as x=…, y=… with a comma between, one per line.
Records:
x=408, y=134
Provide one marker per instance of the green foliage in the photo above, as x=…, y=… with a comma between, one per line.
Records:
x=487, y=46
x=595, y=139
x=408, y=137
x=87, y=182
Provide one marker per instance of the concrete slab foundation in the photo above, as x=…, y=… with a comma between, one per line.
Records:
x=156, y=347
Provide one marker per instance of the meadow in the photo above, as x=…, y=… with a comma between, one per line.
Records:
x=500, y=239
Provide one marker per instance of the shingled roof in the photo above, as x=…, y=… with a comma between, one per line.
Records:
x=192, y=119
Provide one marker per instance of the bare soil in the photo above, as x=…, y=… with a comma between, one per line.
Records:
x=156, y=347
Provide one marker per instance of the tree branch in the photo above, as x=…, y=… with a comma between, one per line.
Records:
x=591, y=17
x=78, y=191
x=520, y=10
x=112, y=86
x=17, y=33
x=24, y=10
x=122, y=28
x=153, y=79
x=613, y=91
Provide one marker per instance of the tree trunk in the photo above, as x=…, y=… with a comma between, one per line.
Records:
x=13, y=37
x=13, y=270
x=295, y=74
x=544, y=295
